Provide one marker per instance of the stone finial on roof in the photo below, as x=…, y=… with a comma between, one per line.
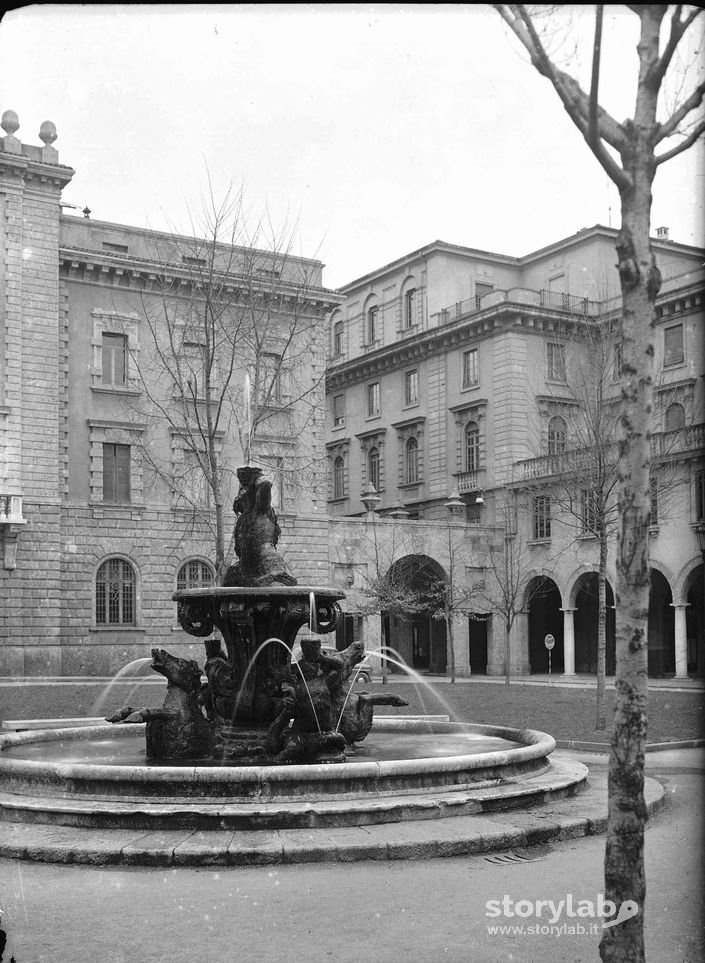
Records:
x=47, y=132
x=10, y=123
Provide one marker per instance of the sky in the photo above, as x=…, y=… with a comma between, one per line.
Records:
x=367, y=130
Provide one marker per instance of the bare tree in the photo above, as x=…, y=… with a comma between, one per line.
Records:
x=631, y=153
x=233, y=363
x=583, y=460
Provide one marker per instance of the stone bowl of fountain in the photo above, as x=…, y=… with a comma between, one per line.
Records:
x=267, y=743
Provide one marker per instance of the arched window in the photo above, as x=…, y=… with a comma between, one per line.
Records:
x=557, y=436
x=373, y=468
x=472, y=446
x=675, y=417
x=115, y=595
x=412, y=461
x=339, y=477
x=194, y=574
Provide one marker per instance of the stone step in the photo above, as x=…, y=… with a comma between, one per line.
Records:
x=564, y=777
x=584, y=814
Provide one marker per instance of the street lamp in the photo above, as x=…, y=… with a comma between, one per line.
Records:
x=455, y=504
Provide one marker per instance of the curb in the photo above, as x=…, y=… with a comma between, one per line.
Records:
x=584, y=814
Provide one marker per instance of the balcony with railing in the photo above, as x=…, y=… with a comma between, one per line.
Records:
x=470, y=481
x=550, y=300
x=664, y=445
x=678, y=442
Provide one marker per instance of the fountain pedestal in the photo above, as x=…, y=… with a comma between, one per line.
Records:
x=254, y=622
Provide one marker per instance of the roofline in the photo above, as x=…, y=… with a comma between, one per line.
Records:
x=583, y=234
x=173, y=235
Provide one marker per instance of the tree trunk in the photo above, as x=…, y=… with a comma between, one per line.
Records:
x=624, y=855
x=507, y=669
x=600, y=711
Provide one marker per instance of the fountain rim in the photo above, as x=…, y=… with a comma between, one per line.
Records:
x=535, y=745
x=223, y=592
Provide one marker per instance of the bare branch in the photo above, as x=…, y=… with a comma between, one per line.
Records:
x=671, y=125
x=678, y=29
x=684, y=145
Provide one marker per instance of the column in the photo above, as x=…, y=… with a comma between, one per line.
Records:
x=568, y=642
x=681, y=641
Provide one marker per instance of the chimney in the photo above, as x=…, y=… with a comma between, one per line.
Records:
x=662, y=233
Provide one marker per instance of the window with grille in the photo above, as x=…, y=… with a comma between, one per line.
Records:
x=411, y=454
x=373, y=399
x=114, y=359
x=115, y=593
x=373, y=468
x=617, y=363
x=472, y=446
x=673, y=346
x=471, y=369
x=411, y=387
x=653, y=501
x=116, y=473
x=557, y=436
x=194, y=574
x=555, y=355
x=339, y=477
x=542, y=517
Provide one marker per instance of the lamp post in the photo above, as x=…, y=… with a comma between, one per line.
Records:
x=454, y=506
x=370, y=499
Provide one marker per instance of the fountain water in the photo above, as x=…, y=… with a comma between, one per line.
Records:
x=267, y=743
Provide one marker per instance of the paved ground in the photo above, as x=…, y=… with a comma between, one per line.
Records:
x=418, y=911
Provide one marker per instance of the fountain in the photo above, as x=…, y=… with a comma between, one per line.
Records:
x=268, y=743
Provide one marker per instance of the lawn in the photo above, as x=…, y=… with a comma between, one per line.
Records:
x=567, y=713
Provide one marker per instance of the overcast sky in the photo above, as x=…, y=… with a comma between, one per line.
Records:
x=377, y=127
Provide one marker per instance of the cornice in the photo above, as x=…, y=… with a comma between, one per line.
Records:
x=110, y=269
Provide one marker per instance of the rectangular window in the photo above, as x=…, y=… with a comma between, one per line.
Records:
x=673, y=345
x=556, y=361
x=653, y=497
x=410, y=308
x=589, y=511
x=195, y=483
x=338, y=339
x=373, y=399
x=542, y=517
x=700, y=496
x=116, y=473
x=372, y=325
x=270, y=379
x=617, y=363
x=471, y=368
x=480, y=291
x=411, y=387
x=338, y=411
x=114, y=351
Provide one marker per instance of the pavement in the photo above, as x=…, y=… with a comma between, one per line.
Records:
x=474, y=908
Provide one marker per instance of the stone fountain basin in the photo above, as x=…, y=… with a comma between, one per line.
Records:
x=526, y=756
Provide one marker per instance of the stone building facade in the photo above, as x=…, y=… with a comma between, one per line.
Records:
x=455, y=371
x=101, y=516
